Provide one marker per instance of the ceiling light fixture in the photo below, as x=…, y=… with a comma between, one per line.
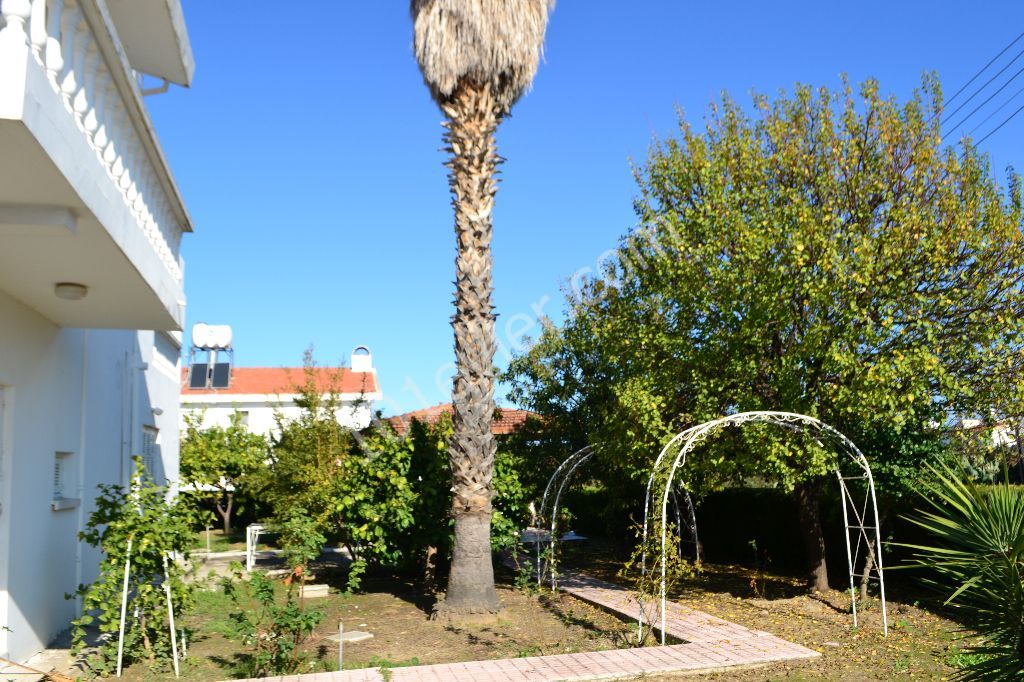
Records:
x=70, y=291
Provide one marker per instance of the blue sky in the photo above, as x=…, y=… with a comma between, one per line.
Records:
x=307, y=150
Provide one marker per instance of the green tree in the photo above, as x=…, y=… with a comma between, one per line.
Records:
x=352, y=484
x=477, y=59
x=429, y=477
x=822, y=254
x=217, y=460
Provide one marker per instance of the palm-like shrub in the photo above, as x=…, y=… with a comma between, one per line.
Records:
x=978, y=560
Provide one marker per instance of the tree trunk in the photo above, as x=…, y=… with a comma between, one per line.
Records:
x=869, y=564
x=473, y=117
x=869, y=561
x=225, y=511
x=430, y=568
x=808, y=499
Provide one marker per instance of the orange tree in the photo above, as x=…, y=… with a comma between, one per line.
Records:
x=217, y=460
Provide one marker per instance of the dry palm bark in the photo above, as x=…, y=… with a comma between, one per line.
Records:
x=473, y=118
x=477, y=57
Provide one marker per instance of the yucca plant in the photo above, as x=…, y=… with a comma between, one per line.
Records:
x=978, y=561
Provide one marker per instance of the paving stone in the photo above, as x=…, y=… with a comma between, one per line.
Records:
x=316, y=591
x=352, y=636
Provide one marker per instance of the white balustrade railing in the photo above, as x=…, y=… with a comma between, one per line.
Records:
x=61, y=42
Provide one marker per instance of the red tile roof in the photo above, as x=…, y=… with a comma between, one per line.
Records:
x=282, y=380
x=505, y=421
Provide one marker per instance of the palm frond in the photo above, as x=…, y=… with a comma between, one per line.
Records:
x=492, y=43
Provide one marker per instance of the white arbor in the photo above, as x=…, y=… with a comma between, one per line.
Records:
x=862, y=532
x=851, y=466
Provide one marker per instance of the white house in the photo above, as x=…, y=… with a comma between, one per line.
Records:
x=261, y=393
x=90, y=226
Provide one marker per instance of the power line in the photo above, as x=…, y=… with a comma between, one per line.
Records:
x=996, y=111
x=988, y=82
x=1005, y=121
x=982, y=70
x=989, y=99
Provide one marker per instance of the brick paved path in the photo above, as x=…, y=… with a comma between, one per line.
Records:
x=709, y=644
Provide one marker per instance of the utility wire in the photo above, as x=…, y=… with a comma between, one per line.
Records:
x=1005, y=121
x=982, y=70
x=996, y=111
x=987, y=83
x=987, y=100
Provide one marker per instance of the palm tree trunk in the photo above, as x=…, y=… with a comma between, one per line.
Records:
x=473, y=117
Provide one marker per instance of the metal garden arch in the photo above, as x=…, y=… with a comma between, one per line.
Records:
x=557, y=483
x=683, y=443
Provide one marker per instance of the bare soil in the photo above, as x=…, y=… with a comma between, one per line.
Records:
x=921, y=643
x=398, y=615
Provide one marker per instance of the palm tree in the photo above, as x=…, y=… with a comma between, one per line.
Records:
x=477, y=57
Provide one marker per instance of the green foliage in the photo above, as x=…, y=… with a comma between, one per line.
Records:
x=431, y=480
x=823, y=254
x=978, y=562
x=352, y=485
x=273, y=628
x=301, y=540
x=647, y=584
x=221, y=458
x=388, y=497
x=156, y=528
x=510, y=501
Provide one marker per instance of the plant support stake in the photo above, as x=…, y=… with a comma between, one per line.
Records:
x=124, y=607
x=170, y=616
x=341, y=645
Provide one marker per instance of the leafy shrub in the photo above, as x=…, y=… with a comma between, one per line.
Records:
x=301, y=543
x=273, y=630
x=352, y=485
x=431, y=480
x=388, y=497
x=157, y=529
x=978, y=560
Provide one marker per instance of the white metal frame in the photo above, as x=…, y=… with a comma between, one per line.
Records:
x=252, y=537
x=683, y=443
x=563, y=475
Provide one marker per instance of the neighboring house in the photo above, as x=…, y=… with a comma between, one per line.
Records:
x=998, y=435
x=90, y=226
x=1003, y=438
x=262, y=393
x=506, y=420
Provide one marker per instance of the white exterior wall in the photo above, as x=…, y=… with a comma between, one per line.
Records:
x=76, y=391
x=86, y=197
x=353, y=413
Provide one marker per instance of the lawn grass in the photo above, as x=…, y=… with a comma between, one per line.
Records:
x=234, y=542
x=219, y=542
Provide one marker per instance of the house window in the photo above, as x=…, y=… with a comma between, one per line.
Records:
x=61, y=474
x=150, y=436
x=63, y=481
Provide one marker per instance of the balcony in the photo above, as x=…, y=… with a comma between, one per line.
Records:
x=86, y=195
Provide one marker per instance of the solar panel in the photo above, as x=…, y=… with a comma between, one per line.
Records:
x=198, y=375
x=221, y=375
